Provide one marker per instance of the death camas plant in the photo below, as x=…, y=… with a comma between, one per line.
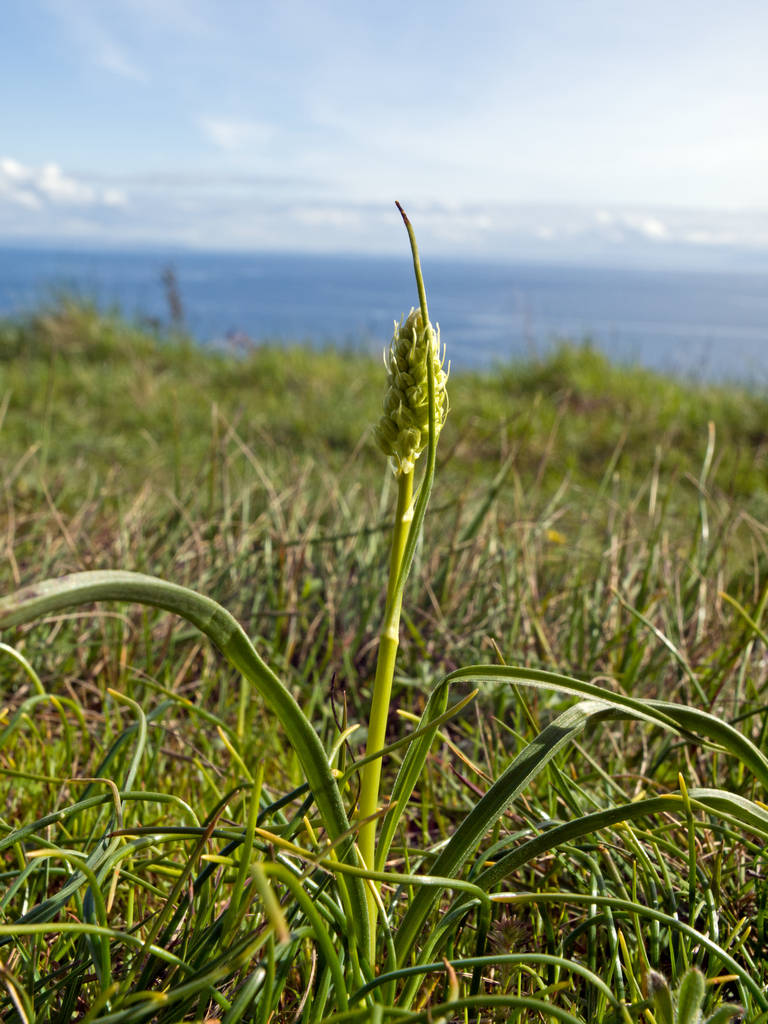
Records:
x=299, y=906
x=415, y=406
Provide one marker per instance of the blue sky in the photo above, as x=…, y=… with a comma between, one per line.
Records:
x=560, y=129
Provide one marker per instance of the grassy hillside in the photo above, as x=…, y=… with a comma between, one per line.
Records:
x=597, y=521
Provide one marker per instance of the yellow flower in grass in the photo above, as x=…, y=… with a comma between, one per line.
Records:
x=403, y=430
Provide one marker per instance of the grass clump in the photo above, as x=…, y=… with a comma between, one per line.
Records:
x=569, y=823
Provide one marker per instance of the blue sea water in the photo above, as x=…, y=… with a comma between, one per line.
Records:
x=703, y=324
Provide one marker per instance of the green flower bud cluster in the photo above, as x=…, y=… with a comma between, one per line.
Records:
x=403, y=430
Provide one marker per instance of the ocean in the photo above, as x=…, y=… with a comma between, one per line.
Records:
x=705, y=325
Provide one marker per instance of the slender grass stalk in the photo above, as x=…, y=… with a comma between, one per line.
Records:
x=410, y=424
x=382, y=686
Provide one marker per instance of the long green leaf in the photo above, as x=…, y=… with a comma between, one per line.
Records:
x=528, y=763
x=224, y=631
x=737, y=808
x=676, y=717
x=610, y=705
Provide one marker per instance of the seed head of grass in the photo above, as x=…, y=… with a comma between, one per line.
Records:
x=403, y=430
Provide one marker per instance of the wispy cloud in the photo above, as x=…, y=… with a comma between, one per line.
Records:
x=111, y=58
x=180, y=17
x=88, y=28
x=36, y=187
x=332, y=217
x=235, y=133
x=235, y=210
x=645, y=224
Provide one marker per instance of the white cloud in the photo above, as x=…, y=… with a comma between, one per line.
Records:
x=35, y=188
x=618, y=224
x=234, y=133
x=251, y=211
x=19, y=196
x=58, y=188
x=12, y=185
x=11, y=169
x=650, y=227
x=114, y=197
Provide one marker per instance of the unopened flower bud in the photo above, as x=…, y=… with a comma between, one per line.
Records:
x=403, y=430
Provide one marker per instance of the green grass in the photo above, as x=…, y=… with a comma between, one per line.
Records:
x=586, y=521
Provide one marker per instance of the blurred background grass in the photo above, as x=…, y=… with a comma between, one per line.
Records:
x=566, y=486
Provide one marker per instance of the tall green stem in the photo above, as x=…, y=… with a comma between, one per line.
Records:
x=382, y=684
x=414, y=409
x=416, y=265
